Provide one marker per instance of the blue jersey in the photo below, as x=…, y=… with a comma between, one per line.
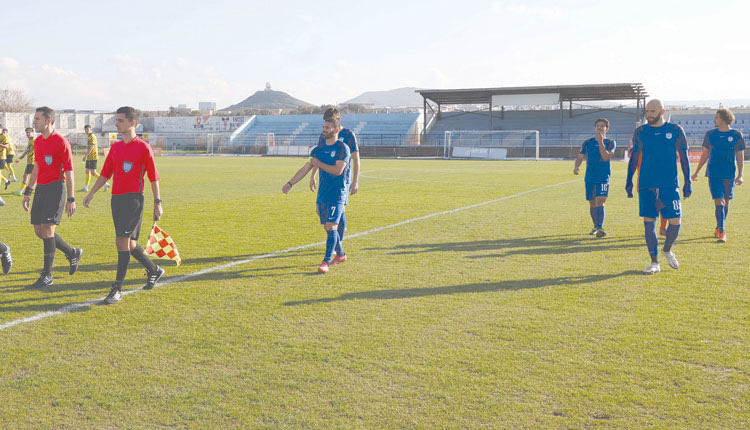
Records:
x=333, y=189
x=597, y=170
x=658, y=147
x=722, y=146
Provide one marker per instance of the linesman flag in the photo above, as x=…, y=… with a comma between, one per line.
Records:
x=162, y=246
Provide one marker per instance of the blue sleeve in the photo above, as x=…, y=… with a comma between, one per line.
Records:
x=707, y=141
x=320, y=140
x=583, y=147
x=352, y=142
x=314, y=152
x=344, y=153
x=681, y=143
x=740, y=142
x=612, y=145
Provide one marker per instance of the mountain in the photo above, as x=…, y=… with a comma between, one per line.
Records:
x=269, y=99
x=400, y=97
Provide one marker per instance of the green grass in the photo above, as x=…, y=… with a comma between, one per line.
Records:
x=505, y=315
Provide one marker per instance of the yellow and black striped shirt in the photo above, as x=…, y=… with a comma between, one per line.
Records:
x=30, y=151
x=94, y=155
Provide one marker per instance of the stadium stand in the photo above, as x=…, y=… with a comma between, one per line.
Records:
x=371, y=129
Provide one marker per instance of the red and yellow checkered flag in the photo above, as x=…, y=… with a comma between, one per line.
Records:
x=161, y=245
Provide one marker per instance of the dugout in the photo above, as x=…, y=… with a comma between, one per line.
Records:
x=548, y=109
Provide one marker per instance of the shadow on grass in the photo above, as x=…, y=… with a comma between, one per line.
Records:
x=539, y=245
x=482, y=287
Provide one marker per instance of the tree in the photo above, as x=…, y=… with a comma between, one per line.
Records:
x=14, y=101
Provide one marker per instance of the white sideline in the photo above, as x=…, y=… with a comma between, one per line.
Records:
x=75, y=306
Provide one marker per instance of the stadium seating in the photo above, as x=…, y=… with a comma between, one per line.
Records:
x=371, y=129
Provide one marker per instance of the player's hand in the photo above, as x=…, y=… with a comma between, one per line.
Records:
x=17, y=161
x=694, y=177
x=158, y=212
x=687, y=189
x=354, y=187
x=70, y=208
x=84, y=158
x=739, y=180
x=87, y=199
x=575, y=170
x=313, y=185
x=25, y=202
x=629, y=190
x=285, y=189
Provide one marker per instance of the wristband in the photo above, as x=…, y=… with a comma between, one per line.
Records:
x=157, y=201
x=71, y=199
x=290, y=184
x=28, y=191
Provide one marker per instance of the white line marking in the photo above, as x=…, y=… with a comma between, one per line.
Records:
x=75, y=306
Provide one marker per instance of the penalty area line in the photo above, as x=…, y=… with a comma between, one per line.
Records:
x=74, y=306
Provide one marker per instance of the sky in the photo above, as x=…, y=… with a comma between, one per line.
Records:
x=156, y=54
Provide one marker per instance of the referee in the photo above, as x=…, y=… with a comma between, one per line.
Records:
x=54, y=166
x=128, y=160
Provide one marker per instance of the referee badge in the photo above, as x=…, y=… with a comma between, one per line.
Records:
x=669, y=135
x=126, y=166
x=48, y=160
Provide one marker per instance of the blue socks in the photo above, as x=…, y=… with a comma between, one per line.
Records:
x=342, y=226
x=652, y=242
x=672, y=231
x=719, y=212
x=593, y=213
x=331, y=241
x=597, y=216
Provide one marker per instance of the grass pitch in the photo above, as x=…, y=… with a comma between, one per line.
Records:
x=502, y=315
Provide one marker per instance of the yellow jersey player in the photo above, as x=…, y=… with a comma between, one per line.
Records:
x=3, y=155
x=91, y=158
x=11, y=152
x=29, y=155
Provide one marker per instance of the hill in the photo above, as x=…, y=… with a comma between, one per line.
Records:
x=399, y=97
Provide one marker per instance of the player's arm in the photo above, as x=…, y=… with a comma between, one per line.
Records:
x=29, y=188
x=158, y=210
x=635, y=156
x=301, y=173
x=682, y=150
x=23, y=155
x=577, y=164
x=740, y=155
x=312, y=178
x=701, y=162
x=91, y=149
x=335, y=170
x=605, y=153
x=70, y=207
x=354, y=187
x=100, y=181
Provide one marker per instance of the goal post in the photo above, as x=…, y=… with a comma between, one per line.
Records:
x=492, y=145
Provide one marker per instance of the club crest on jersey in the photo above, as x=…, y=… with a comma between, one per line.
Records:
x=127, y=166
x=730, y=138
x=669, y=135
x=48, y=160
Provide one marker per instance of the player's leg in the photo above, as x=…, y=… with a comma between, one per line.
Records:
x=9, y=166
x=330, y=213
x=5, y=257
x=672, y=211
x=342, y=225
x=5, y=180
x=663, y=227
x=647, y=210
x=602, y=191
x=590, y=197
x=46, y=232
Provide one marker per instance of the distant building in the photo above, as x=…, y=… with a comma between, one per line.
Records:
x=207, y=106
x=182, y=106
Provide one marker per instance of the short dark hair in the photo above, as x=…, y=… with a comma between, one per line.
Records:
x=29, y=129
x=87, y=126
x=331, y=112
x=5, y=130
x=726, y=115
x=130, y=113
x=47, y=112
x=604, y=120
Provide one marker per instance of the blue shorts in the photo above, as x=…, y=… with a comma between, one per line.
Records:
x=664, y=201
x=721, y=188
x=594, y=190
x=330, y=212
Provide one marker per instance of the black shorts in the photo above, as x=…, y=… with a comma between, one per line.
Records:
x=127, y=214
x=2, y=163
x=29, y=169
x=48, y=204
x=9, y=158
x=91, y=164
